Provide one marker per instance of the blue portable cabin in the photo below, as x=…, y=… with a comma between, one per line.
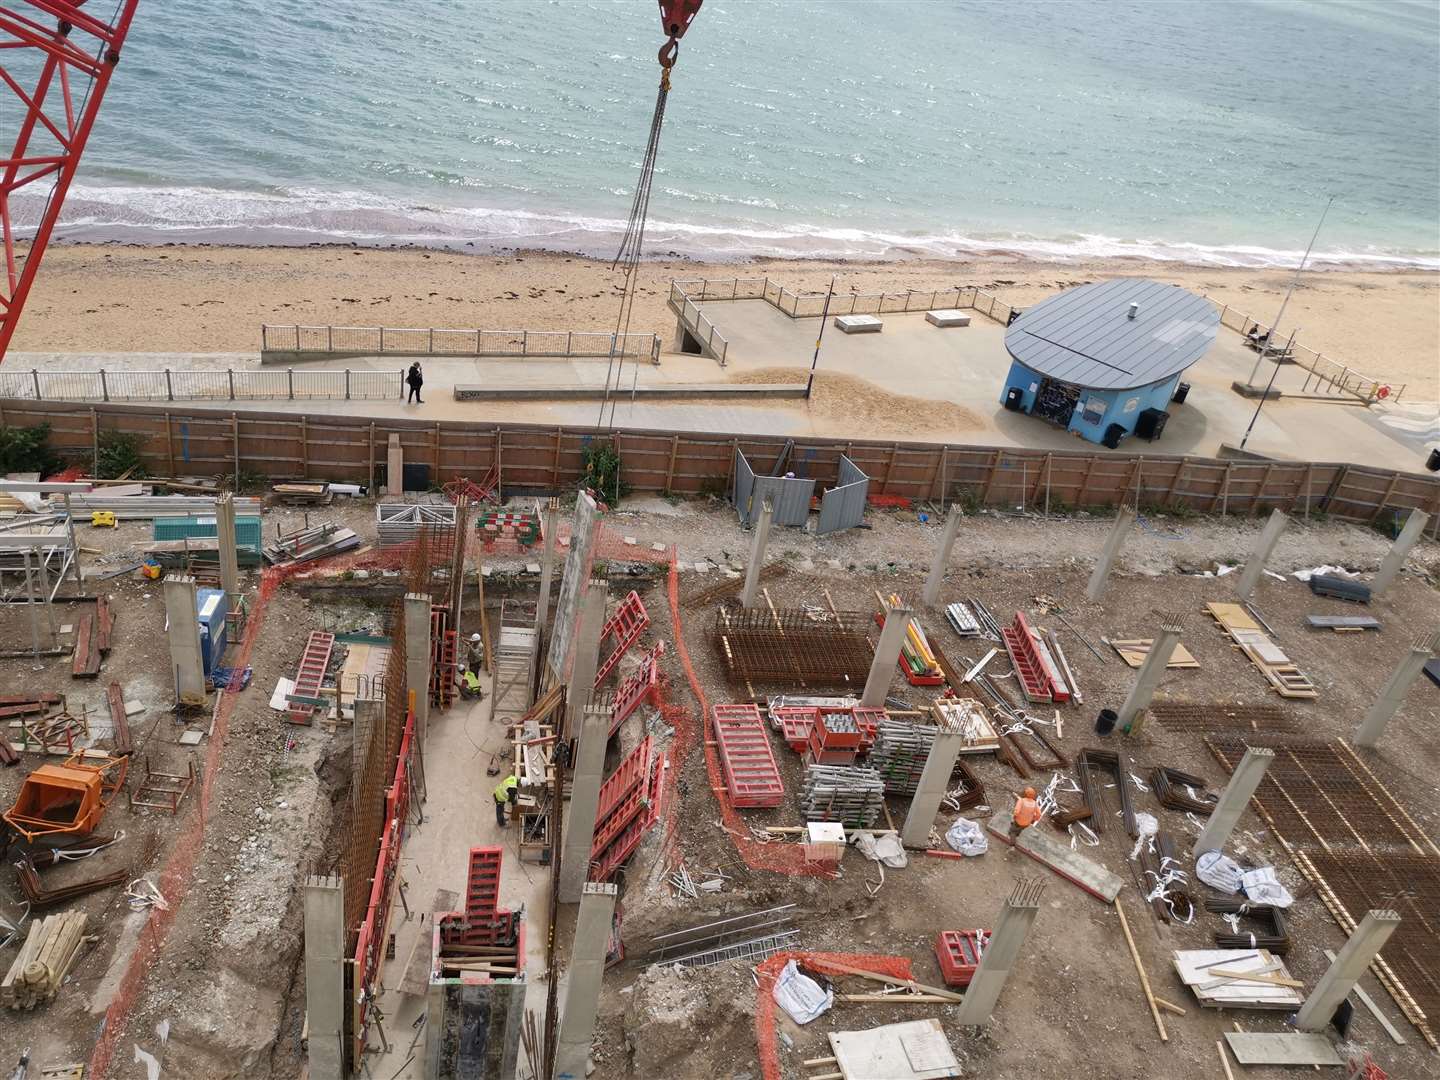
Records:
x=1104, y=360
x=213, y=606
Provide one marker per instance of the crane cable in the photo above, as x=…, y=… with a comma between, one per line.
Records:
x=632, y=243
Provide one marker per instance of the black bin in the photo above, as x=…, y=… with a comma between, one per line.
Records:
x=1182, y=391
x=1013, y=397
x=1105, y=722
x=1150, y=423
x=1433, y=461
x=1113, y=434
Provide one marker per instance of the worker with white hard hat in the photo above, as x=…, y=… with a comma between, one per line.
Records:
x=475, y=653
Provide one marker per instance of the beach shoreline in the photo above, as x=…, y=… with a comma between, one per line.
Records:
x=174, y=297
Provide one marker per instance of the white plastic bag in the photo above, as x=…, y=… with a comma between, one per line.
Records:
x=1218, y=870
x=1263, y=887
x=967, y=837
x=885, y=848
x=801, y=996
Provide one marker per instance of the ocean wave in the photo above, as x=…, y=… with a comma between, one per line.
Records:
x=297, y=217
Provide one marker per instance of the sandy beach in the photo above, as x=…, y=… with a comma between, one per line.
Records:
x=209, y=299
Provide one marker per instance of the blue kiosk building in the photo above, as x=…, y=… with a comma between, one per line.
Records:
x=1104, y=360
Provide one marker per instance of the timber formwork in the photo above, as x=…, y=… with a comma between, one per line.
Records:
x=795, y=646
x=1361, y=849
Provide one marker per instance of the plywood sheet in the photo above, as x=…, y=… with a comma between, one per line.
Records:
x=1286, y=1048
x=1134, y=651
x=915, y=1050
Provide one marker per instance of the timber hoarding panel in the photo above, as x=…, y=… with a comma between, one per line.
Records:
x=285, y=445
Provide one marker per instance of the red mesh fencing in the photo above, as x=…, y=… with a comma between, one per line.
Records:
x=179, y=870
x=780, y=858
x=897, y=967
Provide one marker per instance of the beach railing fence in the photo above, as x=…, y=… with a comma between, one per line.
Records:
x=811, y=305
x=214, y=384
x=281, y=343
x=1325, y=376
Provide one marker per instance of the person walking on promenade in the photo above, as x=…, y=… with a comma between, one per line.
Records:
x=415, y=380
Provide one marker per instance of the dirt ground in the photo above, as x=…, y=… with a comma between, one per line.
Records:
x=230, y=978
x=1074, y=983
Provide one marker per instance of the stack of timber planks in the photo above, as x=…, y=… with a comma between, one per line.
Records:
x=49, y=952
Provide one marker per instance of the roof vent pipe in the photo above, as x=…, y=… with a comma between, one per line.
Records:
x=1134, y=310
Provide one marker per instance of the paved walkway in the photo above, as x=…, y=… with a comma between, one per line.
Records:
x=966, y=366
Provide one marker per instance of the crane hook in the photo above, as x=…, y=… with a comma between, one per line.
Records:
x=669, y=52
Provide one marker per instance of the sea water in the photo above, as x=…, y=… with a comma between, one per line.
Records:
x=1211, y=132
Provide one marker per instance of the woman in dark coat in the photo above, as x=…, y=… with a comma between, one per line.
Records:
x=415, y=380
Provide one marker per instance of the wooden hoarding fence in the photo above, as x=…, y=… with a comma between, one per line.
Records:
x=548, y=459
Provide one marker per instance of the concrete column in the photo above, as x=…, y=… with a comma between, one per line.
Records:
x=1390, y=699
x=942, y=558
x=593, y=726
x=229, y=559
x=548, y=518
x=1395, y=559
x=417, y=657
x=589, y=622
x=1233, y=800
x=1345, y=970
x=1110, y=552
x=187, y=666
x=757, y=555
x=934, y=782
x=394, y=467
x=998, y=959
x=1148, y=678
x=1260, y=554
x=325, y=974
x=582, y=989
x=887, y=655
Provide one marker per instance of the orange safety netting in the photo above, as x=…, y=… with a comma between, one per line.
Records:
x=778, y=857
x=179, y=869
x=897, y=967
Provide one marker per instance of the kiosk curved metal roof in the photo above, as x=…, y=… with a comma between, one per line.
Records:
x=1085, y=335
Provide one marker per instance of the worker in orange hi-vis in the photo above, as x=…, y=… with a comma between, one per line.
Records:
x=1027, y=811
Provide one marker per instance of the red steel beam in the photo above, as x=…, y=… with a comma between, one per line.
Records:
x=76, y=52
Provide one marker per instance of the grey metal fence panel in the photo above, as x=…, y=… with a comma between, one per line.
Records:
x=843, y=506
x=790, y=496
x=744, y=484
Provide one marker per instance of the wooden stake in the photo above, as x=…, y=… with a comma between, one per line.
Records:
x=1224, y=1059
x=1140, y=970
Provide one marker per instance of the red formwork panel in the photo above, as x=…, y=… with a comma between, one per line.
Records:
x=603, y=867
x=640, y=684
x=750, y=771
x=1034, y=668
x=959, y=954
x=622, y=796
x=625, y=626
x=314, y=662
x=482, y=884
x=795, y=723
x=867, y=719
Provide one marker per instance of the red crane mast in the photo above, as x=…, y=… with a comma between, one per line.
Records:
x=70, y=54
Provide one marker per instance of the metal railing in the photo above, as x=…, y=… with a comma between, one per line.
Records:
x=702, y=329
x=415, y=341
x=1326, y=376
x=685, y=296
x=220, y=384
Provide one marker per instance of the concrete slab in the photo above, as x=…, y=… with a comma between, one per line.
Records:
x=858, y=324
x=947, y=317
x=458, y=816
x=1286, y=1048
x=1052, y=854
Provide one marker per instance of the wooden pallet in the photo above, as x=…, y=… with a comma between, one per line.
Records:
x=1280, y=672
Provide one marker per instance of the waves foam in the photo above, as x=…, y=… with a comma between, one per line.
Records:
x=305, y=216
